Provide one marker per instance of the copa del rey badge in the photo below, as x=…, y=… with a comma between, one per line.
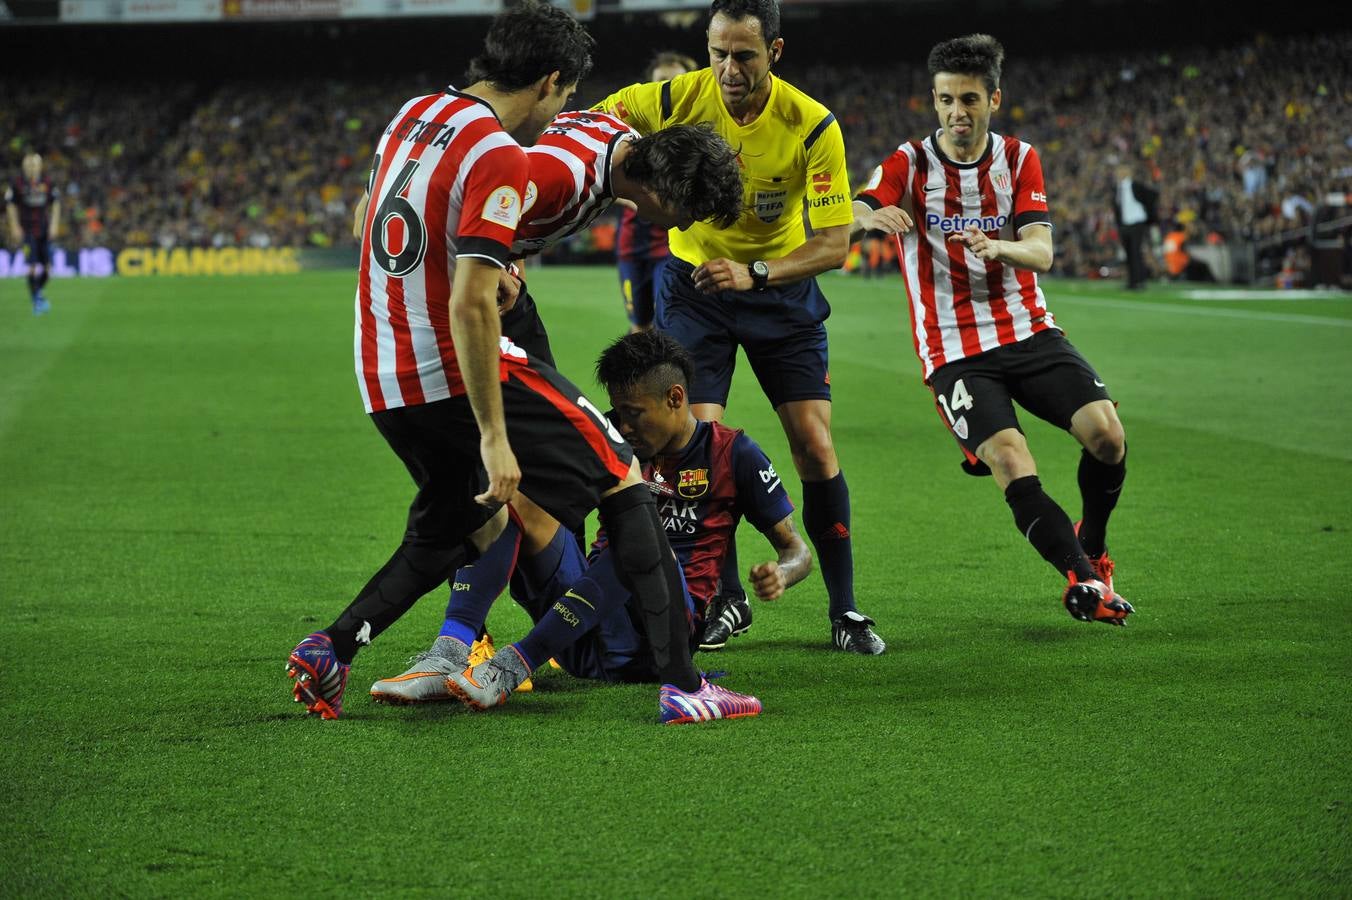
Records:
x=693, y=483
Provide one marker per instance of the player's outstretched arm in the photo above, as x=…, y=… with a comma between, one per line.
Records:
x=770, y=579
x=1032, y=250
x=888, y=220
x=475, y=330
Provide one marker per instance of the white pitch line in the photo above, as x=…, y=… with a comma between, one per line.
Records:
x=1254, y=295
x=1053, y=298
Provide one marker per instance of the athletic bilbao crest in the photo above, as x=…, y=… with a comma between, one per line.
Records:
x=1001, y=180
x=821, y=182
x=693, y=483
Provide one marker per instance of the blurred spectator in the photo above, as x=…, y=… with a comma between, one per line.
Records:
x=1136, y=211
x=1242, y=140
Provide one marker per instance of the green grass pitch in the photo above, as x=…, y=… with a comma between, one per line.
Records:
x=188, y=485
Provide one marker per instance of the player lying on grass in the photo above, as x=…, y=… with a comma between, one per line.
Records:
x=971, y=211
x=705, y=477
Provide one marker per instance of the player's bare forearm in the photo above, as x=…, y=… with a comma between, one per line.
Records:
x=359, y=215
x=769, y=580
x=12, y=215
x=54, y=223
x=1032, y=249
x=475, y=331
x=887, y=219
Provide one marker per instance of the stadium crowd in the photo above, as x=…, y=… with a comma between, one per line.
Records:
x=1241, y=141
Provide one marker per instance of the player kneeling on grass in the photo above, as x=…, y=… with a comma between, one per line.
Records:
x=705, y=477
x=970, y=208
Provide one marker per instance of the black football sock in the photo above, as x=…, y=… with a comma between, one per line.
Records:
x=729, y=582
x=648, y=570
x=413, y=571
x=1047, y=527
x=826, y=519
x=1100, y=486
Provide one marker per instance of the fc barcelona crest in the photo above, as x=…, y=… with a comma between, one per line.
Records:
x=693, y=483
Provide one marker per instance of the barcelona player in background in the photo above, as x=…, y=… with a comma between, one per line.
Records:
x=641, y=247
x=33, y=208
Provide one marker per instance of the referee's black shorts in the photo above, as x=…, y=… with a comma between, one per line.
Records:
x=568, y=452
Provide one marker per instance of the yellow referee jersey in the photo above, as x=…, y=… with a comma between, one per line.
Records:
x=792, y=154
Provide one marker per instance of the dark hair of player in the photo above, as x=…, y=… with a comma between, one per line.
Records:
x=972, y=54
x=648, y=361
x=692, y=167
x=526, y=43
x=766, y=11
x=668, y=58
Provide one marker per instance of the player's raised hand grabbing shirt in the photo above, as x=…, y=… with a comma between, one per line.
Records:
x=570, y=181
x=447, y=183
x=791, y=156
x=962, y=305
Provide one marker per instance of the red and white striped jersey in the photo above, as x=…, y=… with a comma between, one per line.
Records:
x=446, y=183
x=569, y=177
x=962, y=306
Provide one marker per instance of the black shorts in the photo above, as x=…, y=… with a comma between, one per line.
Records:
x=523, y=326
x=781, y=330
x=568, y=452
x=37, y=250
x=1044, y=374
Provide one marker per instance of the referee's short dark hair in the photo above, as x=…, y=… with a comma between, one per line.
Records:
x=766, y=11
x=692, y=167
x=649, y=361
x=527, y=42
x=972, y=54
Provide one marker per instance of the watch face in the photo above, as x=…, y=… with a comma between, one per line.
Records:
x=760, y=268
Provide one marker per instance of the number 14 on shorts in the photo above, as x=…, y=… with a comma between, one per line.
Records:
x=960, y=401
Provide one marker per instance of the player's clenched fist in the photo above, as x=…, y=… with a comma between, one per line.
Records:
x=767, y=581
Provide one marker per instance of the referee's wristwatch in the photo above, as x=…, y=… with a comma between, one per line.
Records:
x=760, y=274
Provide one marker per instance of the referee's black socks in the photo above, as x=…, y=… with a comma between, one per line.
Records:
x=647, y=567
x=1047, y=527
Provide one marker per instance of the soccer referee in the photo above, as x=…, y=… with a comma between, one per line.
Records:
x=754, y=285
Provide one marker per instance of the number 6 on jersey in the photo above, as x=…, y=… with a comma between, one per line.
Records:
x=409, y=236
